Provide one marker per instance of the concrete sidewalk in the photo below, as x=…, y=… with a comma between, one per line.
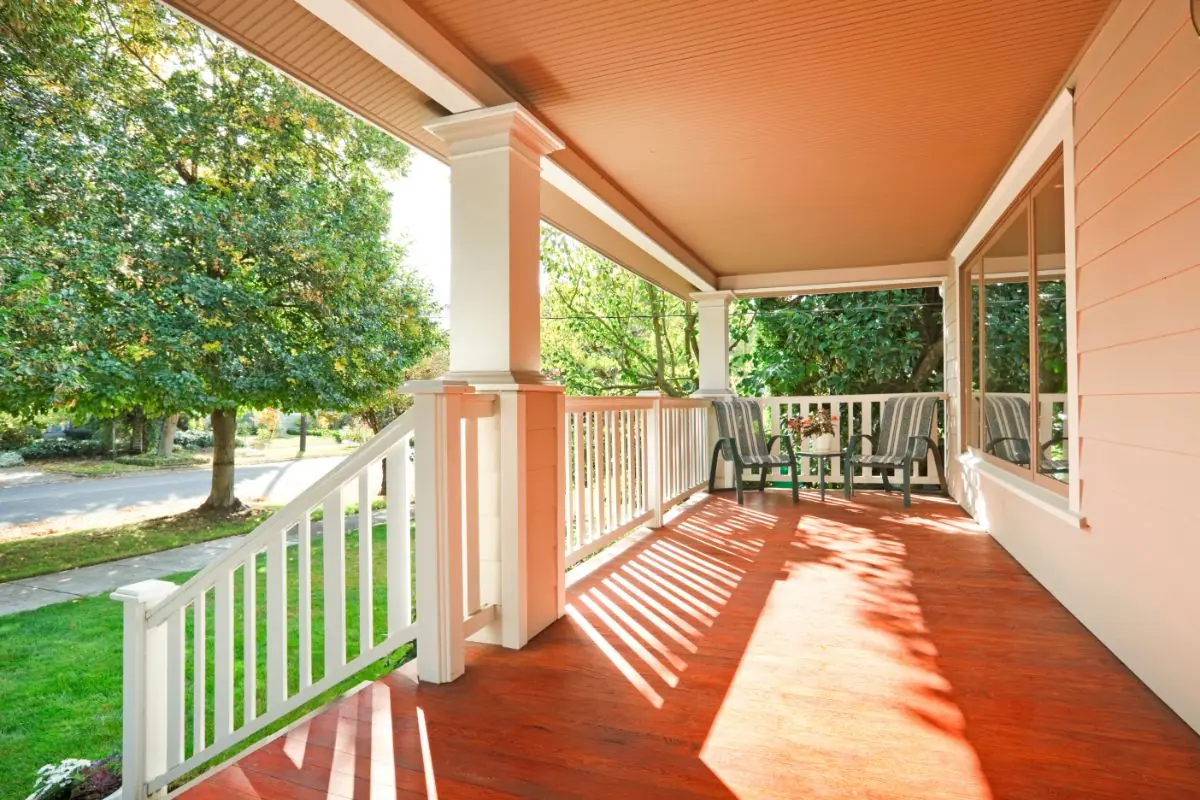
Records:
x=26, y=594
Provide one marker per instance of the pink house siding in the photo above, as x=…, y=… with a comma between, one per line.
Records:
x=1133, y=577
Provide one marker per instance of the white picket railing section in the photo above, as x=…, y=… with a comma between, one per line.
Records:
x=627, y=460
x=857, y=413
x=194, y=654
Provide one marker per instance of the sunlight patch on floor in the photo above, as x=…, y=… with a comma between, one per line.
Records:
x=859, y=708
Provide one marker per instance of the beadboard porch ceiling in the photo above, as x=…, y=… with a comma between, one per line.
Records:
x=746, y=137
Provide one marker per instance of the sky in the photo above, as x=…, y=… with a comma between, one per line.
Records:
x=421, y=220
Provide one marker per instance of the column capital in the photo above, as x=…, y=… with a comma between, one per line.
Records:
x=484, y=129
x=712, y=298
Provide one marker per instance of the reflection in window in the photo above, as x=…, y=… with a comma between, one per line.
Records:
x=1006, y=343
x=1049, y=235
x=974, y=276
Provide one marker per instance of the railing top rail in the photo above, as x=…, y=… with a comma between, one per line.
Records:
x=374, y=449
x=576, y=403
x=686, y=402
x=829, y=398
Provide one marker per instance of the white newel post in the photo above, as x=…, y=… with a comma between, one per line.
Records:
x=144, y=689
x=437, y=434
x=495, y=330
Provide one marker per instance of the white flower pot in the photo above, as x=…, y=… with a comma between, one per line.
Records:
x=825, y=443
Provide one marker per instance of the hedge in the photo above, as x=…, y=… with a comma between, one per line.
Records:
x=155, y=461
x=60, y=448
x=295, y=431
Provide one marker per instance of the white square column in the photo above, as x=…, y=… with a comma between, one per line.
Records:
x=712, y=310
x=495, y=344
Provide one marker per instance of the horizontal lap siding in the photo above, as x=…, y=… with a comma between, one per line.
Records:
x=1137, y=129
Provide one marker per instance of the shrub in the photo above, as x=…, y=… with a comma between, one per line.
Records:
x=355, y=433
x=157, y=461
x=267, y=423
x=15, y=434
x=295, y=431
x=78, y=779
x=246, y=427
x=10, y=458
x=194, y=439
x=78, y=434
x=60, y=448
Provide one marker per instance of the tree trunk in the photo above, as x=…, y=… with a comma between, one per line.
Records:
x=137, y=431
x=108, y=438
x=383, y=480
x=166, y=442
x=221, y=500
x=303, y=432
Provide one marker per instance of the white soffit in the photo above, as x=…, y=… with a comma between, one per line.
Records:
x=382, y=44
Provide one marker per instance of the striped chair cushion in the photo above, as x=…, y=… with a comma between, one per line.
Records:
x=740, y=419
x=1007, y=433
x=903, y=417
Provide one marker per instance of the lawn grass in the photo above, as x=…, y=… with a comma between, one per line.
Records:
x=60, y=667
x=40, y=555
x=99, y=468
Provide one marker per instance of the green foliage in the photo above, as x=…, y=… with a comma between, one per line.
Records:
x=44, y=449
x=192, y=439
x=849, y=343
x=184, y=229
x=181, y=460
x=295, y=431
x=607, y=331
x=79, y=434
x=15, y=433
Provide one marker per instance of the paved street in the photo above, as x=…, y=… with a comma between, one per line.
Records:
x=98, y=502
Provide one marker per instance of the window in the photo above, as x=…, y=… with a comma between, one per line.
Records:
x=1015, y=359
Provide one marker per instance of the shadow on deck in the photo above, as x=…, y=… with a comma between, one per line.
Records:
x=837, y=650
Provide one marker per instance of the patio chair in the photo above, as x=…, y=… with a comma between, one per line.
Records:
x=903, y=440
x=1008, y=437
x=743, y=442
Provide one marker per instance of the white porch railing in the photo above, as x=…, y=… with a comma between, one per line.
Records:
x=856, y=413
x=193, y=655
x=627, y=460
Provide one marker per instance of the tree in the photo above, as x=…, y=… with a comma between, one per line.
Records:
x=849, y=343
x=240, y=255
x=607, y=331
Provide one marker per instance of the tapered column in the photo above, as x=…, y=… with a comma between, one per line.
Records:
x=495, y=330
x=712, y=310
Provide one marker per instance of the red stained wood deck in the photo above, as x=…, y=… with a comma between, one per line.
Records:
x=837, y=650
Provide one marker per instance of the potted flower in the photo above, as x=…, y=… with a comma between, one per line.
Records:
x=816, y=432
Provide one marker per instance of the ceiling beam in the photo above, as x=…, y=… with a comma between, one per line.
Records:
x=840, y=279
x=423, y=56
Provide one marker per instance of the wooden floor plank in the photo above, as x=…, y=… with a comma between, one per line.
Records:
x=776, y=650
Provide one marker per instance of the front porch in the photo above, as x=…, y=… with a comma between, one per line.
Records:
x=771, y=650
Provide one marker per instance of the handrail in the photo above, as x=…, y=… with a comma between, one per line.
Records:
x=370, y=451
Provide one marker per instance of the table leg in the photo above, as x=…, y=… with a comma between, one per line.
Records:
x=821, y=472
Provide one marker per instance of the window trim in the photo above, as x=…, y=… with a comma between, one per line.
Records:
x=1022, y=203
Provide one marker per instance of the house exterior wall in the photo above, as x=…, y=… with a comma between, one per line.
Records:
x=1131, y=574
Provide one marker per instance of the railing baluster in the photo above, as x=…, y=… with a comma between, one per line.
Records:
x=223, y=656
x=277, y=619
x=250, y=639
x=176, y=667
x=304, y=599
x=199, y=673
x=470, y=521
x=580, y=484
x=399, y=540
x=334, y=539
x=366, y=582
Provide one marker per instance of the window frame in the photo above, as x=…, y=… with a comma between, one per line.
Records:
x=974, y=348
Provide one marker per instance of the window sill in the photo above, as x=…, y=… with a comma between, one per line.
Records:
x=1043, y=498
